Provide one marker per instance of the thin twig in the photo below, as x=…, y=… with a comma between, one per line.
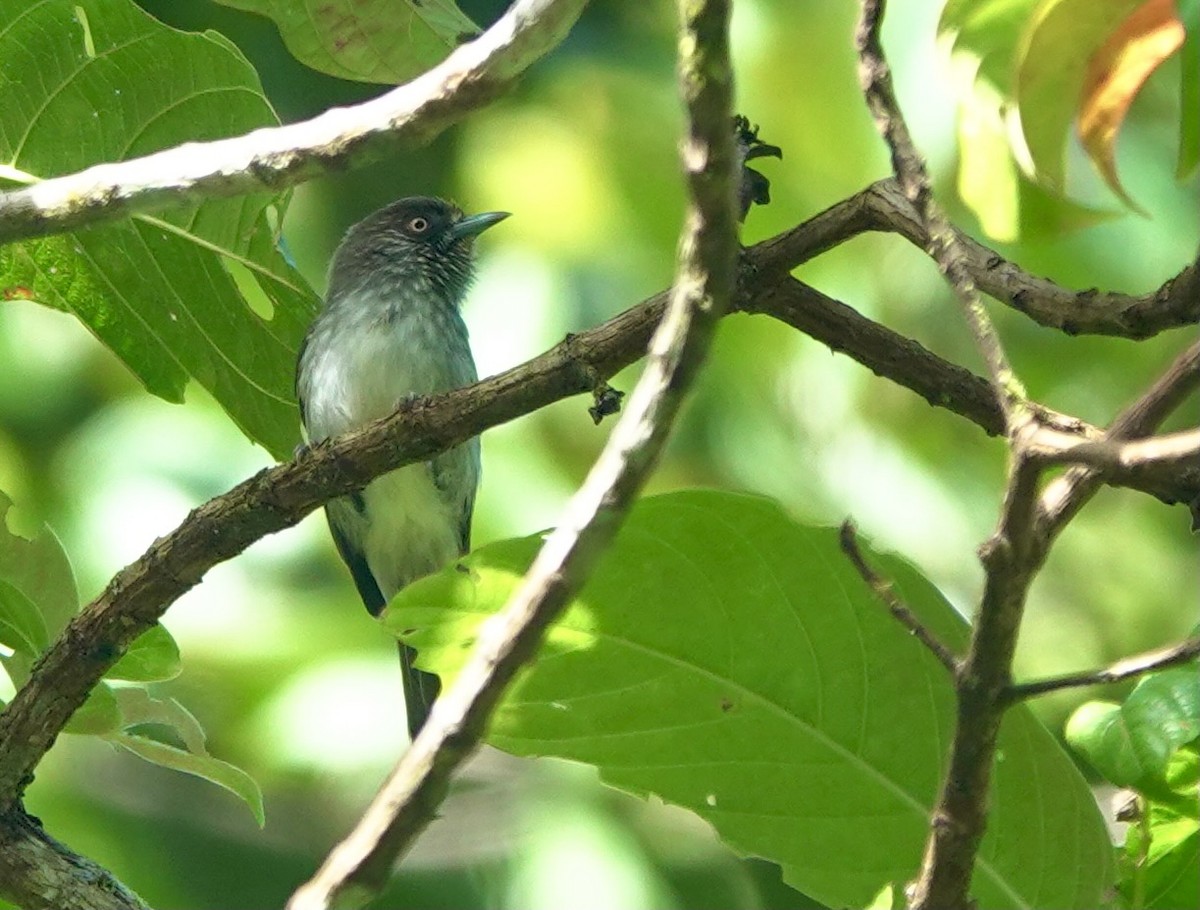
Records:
x=1128, y=668
x=702, y=291
x=848, y=537
x=279, y=157
x=1118, y=460
x=1010, y=557
x=875, y=78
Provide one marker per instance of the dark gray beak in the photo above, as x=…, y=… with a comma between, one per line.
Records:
x=474, y=224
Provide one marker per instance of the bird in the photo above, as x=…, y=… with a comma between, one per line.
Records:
x=391, y=330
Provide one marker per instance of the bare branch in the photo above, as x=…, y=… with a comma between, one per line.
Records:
x=475, y=73
x=1120, y=462
x=1066, y=495
x=1161, y=659
x=848, y=538
x=703, y=290
x=883, y=207
x=875, y=77
x=1011, y=557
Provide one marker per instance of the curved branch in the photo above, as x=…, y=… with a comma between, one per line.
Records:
x=883, y=207
x=277, y=157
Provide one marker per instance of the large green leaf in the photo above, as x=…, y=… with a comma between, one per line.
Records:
x=387, y=41
x=731, y=661
x=102, y=81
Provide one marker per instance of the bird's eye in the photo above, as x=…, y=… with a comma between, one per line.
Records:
x=418, y=225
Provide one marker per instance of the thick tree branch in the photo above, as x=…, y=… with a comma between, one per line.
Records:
x=42, y=874
x=702, y=291
x=1182, y=653
x=410, y=115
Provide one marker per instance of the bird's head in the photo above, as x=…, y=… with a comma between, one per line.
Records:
x=419, y=240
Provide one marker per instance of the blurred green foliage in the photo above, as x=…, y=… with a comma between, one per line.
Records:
x=292, y=680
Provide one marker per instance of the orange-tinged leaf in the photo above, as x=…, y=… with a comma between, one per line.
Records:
x=1116, y=73
x=1052, y=65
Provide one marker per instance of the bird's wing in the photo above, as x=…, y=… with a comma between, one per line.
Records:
x=420, y=688
x=356, y=561
x=296, y=380
x=456, y=476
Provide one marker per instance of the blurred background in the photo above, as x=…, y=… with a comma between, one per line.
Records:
x=289, y=676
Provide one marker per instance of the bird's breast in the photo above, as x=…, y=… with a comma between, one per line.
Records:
x=371, y=353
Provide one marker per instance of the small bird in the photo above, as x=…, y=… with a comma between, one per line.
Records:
x=391, y=330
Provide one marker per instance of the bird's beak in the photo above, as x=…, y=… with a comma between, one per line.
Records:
x=474, y=224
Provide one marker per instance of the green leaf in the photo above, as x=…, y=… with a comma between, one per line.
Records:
x=21, y=625
x=988, y=179
x=223, y=774
x=1051, y=70
x=153, y=657
x=990, y=31
x=98, y=716
x=40, y=570
x=139, y=707
x=732, y=662
x=1132, y=744
x=1189, y=90
x=157, y=290
x=1160, y=861
x=387, y=41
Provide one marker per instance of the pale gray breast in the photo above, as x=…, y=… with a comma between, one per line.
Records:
x=368, y=352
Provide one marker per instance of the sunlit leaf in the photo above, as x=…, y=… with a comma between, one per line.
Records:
x=1167, y=876
x=988, y=178
x=731, y=661
x=1116, y=73
x=387, y=41
x=1051, y=70
x=223, y=774
x=1132, y=744
x=113, y=83
x=152, y=657
x=990, y=31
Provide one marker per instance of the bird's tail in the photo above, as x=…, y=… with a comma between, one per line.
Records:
x=420, y=689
